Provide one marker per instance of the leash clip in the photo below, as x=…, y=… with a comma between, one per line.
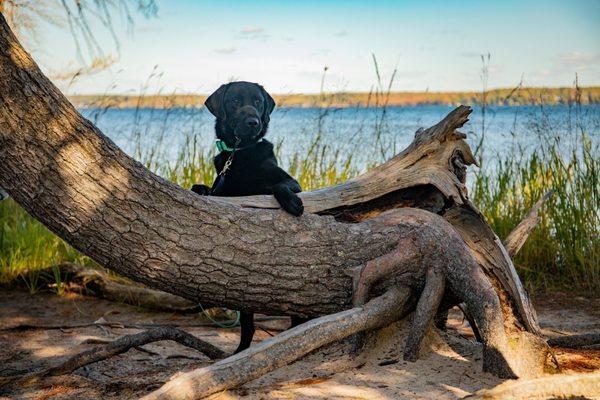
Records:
x=230, y=159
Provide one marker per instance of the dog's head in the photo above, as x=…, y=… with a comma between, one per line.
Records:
x=242, y=110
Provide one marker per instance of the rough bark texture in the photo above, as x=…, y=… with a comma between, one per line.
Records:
x=68, y=175
x=72, y=178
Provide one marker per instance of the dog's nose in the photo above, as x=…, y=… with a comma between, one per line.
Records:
x=252, y=122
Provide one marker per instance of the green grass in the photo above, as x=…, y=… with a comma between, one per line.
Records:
x=26, y=247
x=562, y=253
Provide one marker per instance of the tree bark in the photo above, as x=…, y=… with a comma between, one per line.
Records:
x=235, y=253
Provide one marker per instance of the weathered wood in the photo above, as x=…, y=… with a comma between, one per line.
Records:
x=118, y=346
x=494, y=259
x=284, y=348
x=518, y=236
x=576, y=386
x=575, y=341
x=97, y=283
x=424, y=162
x=429, y=174
x=85, y=189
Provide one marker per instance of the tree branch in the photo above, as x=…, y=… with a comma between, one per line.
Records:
x=518, y=236
x=580, y=386
x=118, y=346
x=575, y=341
x=284, y=348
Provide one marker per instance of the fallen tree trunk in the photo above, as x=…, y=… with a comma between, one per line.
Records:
x=576, y=341
x=94, y=282
x=228, y=252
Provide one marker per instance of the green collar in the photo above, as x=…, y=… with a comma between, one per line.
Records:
x=222, y=146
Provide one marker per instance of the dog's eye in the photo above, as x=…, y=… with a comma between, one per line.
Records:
x=258, y=102
x=236, y=102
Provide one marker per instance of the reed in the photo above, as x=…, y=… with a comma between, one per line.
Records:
x=563, y=251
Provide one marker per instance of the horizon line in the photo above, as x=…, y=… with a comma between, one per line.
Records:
x=500, y=88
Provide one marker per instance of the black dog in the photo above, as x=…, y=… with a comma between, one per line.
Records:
x=246, y=164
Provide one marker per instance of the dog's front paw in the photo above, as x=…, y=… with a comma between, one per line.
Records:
x=202, y=190
x=289, y=201
x=294, y=206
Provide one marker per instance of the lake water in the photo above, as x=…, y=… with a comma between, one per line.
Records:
x=369, y=134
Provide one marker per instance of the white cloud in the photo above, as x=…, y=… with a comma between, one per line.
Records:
x=252, y=30
x=225, y=50
x=577, y=61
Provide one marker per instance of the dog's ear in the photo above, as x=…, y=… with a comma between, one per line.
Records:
x=269, y=104
x=214, y=102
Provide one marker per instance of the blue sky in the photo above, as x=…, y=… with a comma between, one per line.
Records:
x=435, y=45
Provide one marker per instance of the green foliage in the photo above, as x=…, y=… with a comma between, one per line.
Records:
x=563, y=252
x=321, y=166
x=27, y=246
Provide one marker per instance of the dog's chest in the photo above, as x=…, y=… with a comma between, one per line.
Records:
x=243, y=178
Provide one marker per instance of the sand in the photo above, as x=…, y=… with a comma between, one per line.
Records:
x=449, y=368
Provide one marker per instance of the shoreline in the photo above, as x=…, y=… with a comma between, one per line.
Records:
x=495, y=97
x=284, y=107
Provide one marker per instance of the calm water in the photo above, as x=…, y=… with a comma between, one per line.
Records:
x=368, y=134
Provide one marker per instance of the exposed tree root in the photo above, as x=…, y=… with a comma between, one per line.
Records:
x=425, y=312
x=119, y=346
x=578, y=386
x=518, y=236
x=585, y=340
x=506, y=354
x=285, y=348
x=472, y=324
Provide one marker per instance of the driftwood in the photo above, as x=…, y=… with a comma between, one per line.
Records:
x=94, y=282
x=405, y=224
x=518, y=236
x=286, y=347
x=28, y=327
x=586, y=340
x=119, y=346
x=576, y=386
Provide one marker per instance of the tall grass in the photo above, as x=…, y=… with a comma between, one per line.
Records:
x=562, y=253
x=26, y=246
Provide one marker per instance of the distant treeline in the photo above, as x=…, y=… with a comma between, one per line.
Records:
x=515, y=96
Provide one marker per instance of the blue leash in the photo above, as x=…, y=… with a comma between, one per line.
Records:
x=235, y=323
